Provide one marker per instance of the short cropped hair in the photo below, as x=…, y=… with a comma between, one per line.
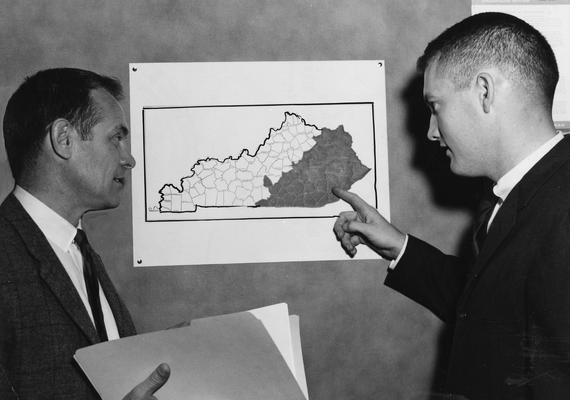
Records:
x=40, y=100
x=500, y=40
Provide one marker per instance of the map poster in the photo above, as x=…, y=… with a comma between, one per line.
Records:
x=236, y=160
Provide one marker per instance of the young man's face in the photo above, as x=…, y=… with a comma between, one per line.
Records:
x=454, y=123
x=101, y=162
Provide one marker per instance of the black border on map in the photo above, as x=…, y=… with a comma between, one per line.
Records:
x=144, y=109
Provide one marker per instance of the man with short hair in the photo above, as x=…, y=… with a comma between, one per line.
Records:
x=66, y=140
x=489, y=83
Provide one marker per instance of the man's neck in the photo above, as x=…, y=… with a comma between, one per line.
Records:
x=521, y=141
x=54, y=199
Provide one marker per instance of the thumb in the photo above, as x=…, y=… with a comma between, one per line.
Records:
x=152, y=383
x=360, y=228
x=156, y=379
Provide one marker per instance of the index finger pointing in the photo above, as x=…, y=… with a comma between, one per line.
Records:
x=353, y=199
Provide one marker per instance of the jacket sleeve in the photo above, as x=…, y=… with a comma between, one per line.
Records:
x=7, y=390
x=430, y=278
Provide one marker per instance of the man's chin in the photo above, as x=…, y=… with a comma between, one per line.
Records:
x=458, y=170
x=112, y=204
x=455, y=167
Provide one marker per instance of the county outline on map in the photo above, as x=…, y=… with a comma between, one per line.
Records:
x=297, y=165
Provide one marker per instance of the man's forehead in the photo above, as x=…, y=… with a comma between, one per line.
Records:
x=103, y=98
x=106, y=102
x=432, y=69
x=109, y=109
x=436, y=80
x=429, y=76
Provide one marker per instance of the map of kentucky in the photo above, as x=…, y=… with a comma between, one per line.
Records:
x=295, y=166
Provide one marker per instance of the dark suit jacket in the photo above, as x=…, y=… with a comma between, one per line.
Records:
x=42, y=318
x=511, y=306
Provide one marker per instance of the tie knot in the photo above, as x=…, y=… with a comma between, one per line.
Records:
x=487, y=204
x=81, y=238
x=496, y=199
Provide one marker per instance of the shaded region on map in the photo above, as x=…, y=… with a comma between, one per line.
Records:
x=295, y=166
x=330, y=163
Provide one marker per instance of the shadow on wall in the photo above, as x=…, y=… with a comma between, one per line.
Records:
x=448, y=191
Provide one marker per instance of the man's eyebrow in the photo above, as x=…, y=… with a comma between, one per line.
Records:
x=122, y=129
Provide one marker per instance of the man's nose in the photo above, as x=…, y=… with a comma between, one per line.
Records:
x=127, y=159
x=433, y=130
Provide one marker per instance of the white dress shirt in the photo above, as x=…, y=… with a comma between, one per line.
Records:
x=60, y=234
x=506, y=183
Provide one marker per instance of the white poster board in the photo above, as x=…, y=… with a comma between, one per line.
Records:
x=552, y=19
x=235, y=161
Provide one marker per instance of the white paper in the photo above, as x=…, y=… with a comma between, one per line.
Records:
x=275, y=319
x=186, y=117
x=298, y=354
x=285, y=331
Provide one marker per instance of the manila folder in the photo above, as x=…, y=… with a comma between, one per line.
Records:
x=230, y=357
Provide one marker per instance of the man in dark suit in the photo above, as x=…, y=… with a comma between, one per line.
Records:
x=66, y=141
x=489, y=83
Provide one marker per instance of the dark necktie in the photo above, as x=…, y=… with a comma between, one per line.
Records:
x=91, y=282
x=483, y=217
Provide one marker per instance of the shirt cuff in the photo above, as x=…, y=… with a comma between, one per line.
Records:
x=395, y=261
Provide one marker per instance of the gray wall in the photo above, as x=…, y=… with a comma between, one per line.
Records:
x=360, y=339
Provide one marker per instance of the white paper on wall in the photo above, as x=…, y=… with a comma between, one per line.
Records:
x=235, y=161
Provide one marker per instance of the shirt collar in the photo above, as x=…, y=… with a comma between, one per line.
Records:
x=55, y=228
x=508, y=181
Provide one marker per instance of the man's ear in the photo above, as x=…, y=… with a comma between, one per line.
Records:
x=61, y=137
x=485, y=87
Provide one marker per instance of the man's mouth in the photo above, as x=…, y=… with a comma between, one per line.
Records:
x=119, y=180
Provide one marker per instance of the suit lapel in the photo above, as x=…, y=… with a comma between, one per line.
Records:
x=49, y=267
x=517, y=200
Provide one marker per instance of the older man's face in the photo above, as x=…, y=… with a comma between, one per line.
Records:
x=101, y=164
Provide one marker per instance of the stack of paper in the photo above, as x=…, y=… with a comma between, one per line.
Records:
x=249, y=355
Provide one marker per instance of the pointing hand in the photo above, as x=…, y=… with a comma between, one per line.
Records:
x=365, y=225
